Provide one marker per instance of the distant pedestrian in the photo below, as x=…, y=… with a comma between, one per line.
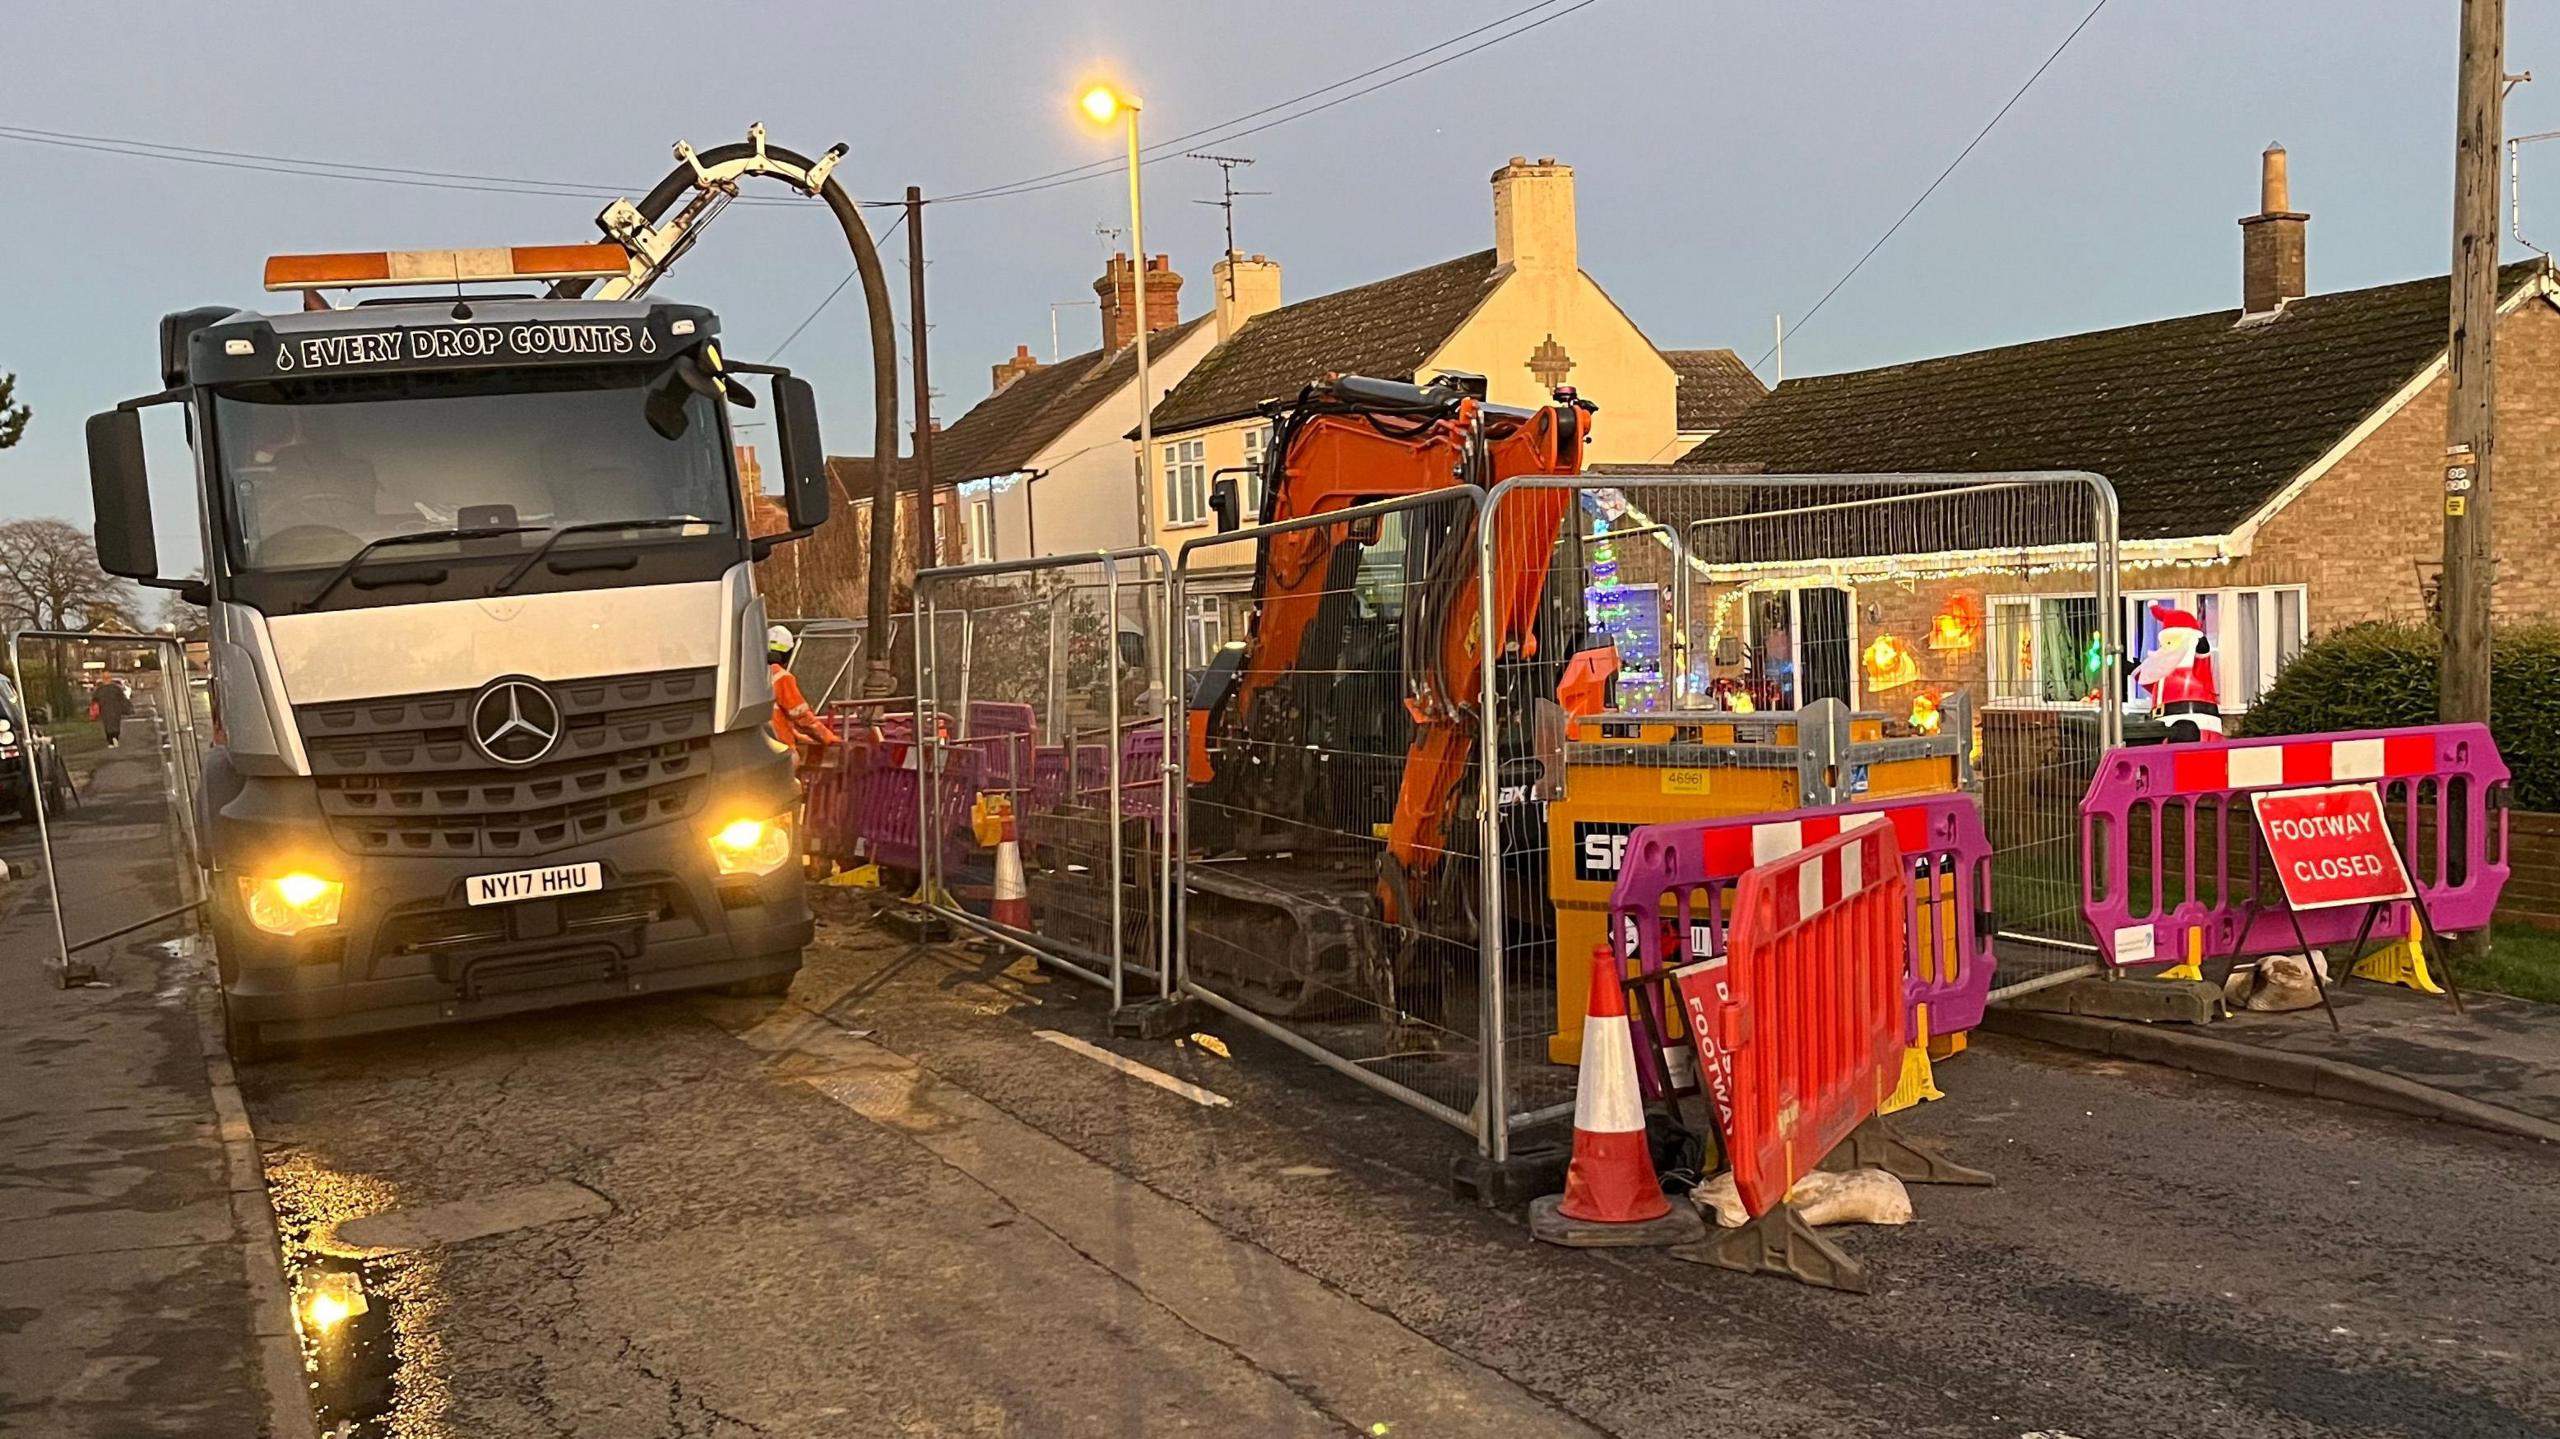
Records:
x=109, y=703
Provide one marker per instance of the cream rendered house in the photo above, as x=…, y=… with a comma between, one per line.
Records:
x=1522, y=314
x=1043, y=466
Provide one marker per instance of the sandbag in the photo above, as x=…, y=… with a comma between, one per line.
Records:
x=1854, y=1196
x=2277, y=983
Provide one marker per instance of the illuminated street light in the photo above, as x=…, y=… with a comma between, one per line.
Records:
x=1102, y=103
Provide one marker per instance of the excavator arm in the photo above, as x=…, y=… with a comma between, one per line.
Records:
x=1348, y=441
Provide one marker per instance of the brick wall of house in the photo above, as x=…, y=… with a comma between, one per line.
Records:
x=2360, y=534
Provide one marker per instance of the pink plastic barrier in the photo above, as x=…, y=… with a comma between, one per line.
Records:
x=829, y=806
x=2169, y=847
x=886, y=817
x=1695, y=867
x=1142, y=773
x=1008, y=734
x=1048, y=778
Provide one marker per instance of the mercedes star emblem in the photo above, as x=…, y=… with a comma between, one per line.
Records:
x=515, y=722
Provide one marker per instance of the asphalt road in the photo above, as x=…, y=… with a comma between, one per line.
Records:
x=887, y=1206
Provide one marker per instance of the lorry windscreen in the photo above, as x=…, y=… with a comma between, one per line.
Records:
x=313, y=471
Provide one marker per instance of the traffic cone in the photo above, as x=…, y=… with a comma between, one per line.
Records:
x=1611, y=1194
x=1013, y=891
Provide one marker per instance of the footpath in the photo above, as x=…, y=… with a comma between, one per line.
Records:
x=139, y=1290
x=2495, y=1066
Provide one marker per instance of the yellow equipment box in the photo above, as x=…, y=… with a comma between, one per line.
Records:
x=1625, y=771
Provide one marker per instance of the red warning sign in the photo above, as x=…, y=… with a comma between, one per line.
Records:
x=2331, y=846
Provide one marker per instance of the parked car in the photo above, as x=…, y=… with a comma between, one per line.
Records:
x=25, y=752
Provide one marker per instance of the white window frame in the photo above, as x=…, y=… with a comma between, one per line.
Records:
x=1204, y=629
x=2239, y=689
x=1257, y=438
x=980, y=515
x=1795, y=637
x=1185, y=468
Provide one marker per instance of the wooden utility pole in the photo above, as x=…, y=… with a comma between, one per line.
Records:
x=2470, y=566
x=926, y=555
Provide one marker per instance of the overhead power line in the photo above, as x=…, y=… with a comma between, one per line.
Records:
x=811, y=318
x=1163, y=149
x=345, y=170
x=1914, y=207
x=431, y=179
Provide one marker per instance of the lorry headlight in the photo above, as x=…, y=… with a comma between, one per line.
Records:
x=291, y=903
x=753, y=846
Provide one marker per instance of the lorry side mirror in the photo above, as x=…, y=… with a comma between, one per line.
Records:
x=120, y=488
x=1222, y=502
x=804, y=454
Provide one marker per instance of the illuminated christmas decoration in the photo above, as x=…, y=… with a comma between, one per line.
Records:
x=1925, y=715
x=1890, y=664
x=1956, y=625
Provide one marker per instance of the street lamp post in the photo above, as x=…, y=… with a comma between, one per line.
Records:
x=1102, y=103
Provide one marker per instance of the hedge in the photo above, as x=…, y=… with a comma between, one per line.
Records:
x=2377, y=676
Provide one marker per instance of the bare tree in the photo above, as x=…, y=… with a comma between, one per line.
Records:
x=176, y=615
x=50, y=580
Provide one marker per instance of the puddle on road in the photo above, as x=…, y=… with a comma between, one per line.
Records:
x=368, y=1348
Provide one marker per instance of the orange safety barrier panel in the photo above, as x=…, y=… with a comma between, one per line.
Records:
x=1812, y=1021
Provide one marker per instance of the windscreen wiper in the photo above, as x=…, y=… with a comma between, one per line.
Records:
x=660, y=522
x=338, y=576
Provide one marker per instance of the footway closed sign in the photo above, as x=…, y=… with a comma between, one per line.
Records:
x=2330, y=846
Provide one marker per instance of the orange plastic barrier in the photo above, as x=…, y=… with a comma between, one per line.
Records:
x=1810, y=1020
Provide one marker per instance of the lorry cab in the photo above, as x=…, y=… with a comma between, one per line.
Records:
x=487, y=653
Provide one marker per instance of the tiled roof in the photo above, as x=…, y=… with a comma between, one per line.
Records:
x=2197, y=421
x=1715, y=386
x=1383, y=329
x=1003, y=432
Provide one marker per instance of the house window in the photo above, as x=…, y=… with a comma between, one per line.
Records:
x=1186, y=483
x=982, y=529
x=2046, y=649
x=1249, y=494
x=1204, y=630
x=1803, y=647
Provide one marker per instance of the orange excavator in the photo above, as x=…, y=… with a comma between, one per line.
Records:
x=1334, y=750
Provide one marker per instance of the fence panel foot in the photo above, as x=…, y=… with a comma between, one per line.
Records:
x=1780, y=1242
x=1531, y=1171
x=1878, y=1145
x=1161, y=1018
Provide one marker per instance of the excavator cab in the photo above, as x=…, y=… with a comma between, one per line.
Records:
x=1334, y=749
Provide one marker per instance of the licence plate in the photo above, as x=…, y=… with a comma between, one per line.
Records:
x=535, y=883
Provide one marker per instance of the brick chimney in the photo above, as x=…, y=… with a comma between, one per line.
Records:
x=2272, y=270
x=1533, y=215
x=1008, y=371
x=1117, y=289
x=1247, y=285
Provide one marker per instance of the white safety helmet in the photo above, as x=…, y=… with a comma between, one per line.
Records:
x=779, y=638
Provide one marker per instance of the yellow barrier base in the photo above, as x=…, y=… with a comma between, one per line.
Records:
x=1946, y=1046
x=866, y=877
x=2402, y=963
x=2189, y=970
x=1918, y=1084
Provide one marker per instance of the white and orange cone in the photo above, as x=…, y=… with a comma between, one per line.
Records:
x=1611, y=1194
x=1013, y=891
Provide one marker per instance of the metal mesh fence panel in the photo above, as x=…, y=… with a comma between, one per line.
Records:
x=1039, y=729
x=98, y=735
x=1330, y=886
x=827, y=657
x=1762, y=643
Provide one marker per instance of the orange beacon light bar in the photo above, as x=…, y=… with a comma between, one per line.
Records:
x=445, y=267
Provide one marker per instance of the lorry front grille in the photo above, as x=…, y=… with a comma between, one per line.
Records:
x=401, y=776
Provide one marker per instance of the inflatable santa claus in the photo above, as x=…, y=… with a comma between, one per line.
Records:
x=2179, y=674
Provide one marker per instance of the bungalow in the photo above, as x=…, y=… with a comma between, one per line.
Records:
x=2279, y=469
